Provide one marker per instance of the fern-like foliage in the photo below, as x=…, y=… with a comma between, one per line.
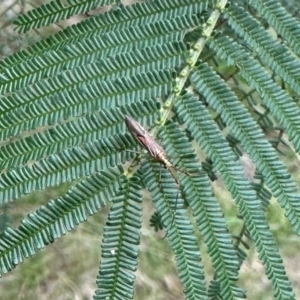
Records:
x=54, y=12
x=207, y=212
x=86, y=129
x=284, y=23
x=124, y=17
x=120, y=244
x=179, y=229
x=261, y=152
x=50, y=222
x=211, y=140
x=210, y=82
x=274, y=54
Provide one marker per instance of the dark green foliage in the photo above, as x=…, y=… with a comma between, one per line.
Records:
x=284, y=23
x=120, y=244
x=179, y=229
x=56, y=11
x=61, y=215
x=156, y=222
x=86, y=129
x=244, y=128
x=85, y=99
x=62, y=108
x=124, y=17
x=271, y=52
x=208, y=214
x=70, y=164
x=275, y=98
x=208, y=136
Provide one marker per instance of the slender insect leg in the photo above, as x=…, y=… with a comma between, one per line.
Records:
x=177, y=194
x=182, y=171
x=178, y=186
x=133, y=163
x=176, y=179
x=173, y=217
x=159, y=172
x=177, y=182
x=175, y=167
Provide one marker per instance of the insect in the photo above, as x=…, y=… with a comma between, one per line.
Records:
x=149, y=143
x=154, y=149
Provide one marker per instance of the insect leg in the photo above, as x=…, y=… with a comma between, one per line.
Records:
x=177, y=194
x=159, y=172
x=182, y=171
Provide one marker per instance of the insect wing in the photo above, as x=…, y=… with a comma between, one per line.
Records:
x=143, y=137
x=134, y=127
x=150, y=144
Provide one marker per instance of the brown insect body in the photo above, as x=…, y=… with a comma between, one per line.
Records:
x=162, y=158
x=153, y=148
x=149, y=143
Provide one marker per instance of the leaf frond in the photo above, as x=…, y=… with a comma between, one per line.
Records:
x=221, y=98
x=206, y=209
x=55, y=11
x=124, y=65
x=85, y=129
x=84, y=99
x=59, y=216
x=134, y=15
x=215, y=145
x=68, y=165
x=167, y=198
x=277, y=100
x=119, y=257
x=277, y=56
x=91, y=50
x=284, y=23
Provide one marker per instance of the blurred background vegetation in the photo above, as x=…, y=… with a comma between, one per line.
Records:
x=67, y=268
